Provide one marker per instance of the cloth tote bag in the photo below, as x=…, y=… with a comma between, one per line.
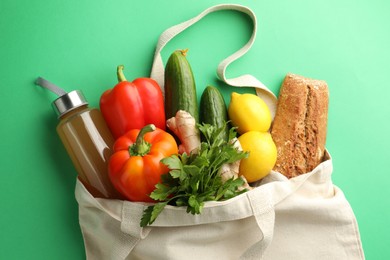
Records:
x=306, y=217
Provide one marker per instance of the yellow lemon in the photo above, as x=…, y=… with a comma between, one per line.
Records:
x=262, y=155
x=248, y=112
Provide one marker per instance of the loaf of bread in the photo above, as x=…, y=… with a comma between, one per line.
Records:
x=300, y=124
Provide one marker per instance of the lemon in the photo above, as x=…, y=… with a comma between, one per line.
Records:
x=248, y=112
x=262, y=155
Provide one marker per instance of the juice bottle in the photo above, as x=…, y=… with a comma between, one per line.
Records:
x=86, y=138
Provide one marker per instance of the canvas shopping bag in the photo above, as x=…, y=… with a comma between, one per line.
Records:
x=305, y=217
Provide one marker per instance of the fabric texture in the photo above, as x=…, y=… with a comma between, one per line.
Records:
x=305, y=217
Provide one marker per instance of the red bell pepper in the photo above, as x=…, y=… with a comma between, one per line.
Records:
x=132, y=105
x=135, y=168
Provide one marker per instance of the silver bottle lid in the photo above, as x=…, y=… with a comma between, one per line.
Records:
x=68, y=102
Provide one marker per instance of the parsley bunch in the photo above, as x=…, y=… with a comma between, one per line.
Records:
x=194, y=179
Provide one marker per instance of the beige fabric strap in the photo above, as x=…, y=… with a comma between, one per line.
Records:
x=246, y=80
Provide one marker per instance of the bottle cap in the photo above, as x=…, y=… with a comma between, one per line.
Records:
x=68, y=102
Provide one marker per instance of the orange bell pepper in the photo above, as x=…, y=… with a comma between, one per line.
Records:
x=135, y=167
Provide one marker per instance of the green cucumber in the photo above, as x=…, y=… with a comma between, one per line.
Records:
x=213, y=109
x=179, y=86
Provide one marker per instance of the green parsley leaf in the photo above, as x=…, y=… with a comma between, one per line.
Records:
x=162, y=192
x=151, y=213
x=172, y=162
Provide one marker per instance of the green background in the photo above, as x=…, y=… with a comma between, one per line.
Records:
x=78, y=44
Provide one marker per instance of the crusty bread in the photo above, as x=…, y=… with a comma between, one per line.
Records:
x=299, y=126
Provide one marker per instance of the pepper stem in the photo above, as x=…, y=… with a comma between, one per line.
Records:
x=119, y=73
x=141, y=147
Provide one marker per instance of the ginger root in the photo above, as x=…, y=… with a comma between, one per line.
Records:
x=183, y=125
x=231, y=170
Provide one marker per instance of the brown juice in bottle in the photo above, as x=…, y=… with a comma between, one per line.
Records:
x=86, y=138
x=88, y=142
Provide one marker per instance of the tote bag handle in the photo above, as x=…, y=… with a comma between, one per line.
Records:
x=265, y=220
x=157, y=72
